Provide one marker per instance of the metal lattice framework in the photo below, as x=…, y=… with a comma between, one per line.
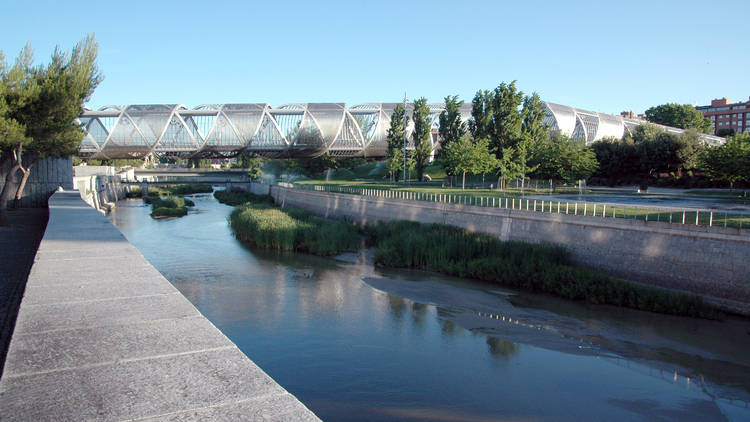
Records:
x=292, y=130
x=592, y=126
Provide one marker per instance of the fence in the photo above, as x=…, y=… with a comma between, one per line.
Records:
x=687, y=216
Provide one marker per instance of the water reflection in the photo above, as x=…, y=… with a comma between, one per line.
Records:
x=349, y=339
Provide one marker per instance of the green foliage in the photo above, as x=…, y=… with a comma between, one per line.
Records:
x=682, y=116
x=662, y=151
x=265, y=226
x=616, y=157
x=507, y=120
x=421, y=136
x=395, y=139
x=38, y=108
x=169, y=212
x=239, y=197
x=480, y=124
x=533, y=128
x=565, y=159
x=452, y=128
x=730, y=162
x=171, y=206
x=541, y=268
x=464, y=156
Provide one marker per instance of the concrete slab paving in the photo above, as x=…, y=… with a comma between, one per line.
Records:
x=101, y=335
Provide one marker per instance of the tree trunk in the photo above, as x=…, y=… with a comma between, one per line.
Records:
x=19, y=192
x=9, y=188
x=463, y=182
x=523, y=181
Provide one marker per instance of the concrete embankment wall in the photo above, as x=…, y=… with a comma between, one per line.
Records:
x=710, y=261
x=101, y=192
x=46, y=176
x=102, y=335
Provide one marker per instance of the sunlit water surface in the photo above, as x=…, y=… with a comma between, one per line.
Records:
x=355, y=342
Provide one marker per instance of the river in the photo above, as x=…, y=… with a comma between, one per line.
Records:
x=355, y=342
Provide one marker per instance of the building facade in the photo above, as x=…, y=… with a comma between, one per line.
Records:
x=727, y=116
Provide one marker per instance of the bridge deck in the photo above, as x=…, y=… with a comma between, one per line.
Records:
x=102, y=335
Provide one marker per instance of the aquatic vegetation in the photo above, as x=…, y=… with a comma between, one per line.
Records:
x=171, y=206
x=239, y=197
x=536, y=267
x=264, y=225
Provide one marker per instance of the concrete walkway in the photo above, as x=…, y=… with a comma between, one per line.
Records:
x=102, y=335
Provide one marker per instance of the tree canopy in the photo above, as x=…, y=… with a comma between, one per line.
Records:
x=421, y=136
x=38, y=108
x=683, y=116
x=395, y=139
x=730, y=162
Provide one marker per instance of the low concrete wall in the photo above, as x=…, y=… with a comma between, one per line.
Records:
x=101, y=192
x=101, y=335
x=46, y=176
x=710, y=261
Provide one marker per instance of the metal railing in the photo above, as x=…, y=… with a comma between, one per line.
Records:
x=671, y=215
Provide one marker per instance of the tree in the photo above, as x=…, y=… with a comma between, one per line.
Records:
x=565, y=159
x=452, y=128
x=683, y=116
x=421, y=136
x=730, y=162
x=532, y=126
x=395, y=139
x=45, y=101
x=514, y=162
x=662, y=151
x=507, y=120
x=457, y=158
x=464, y=156
x=617, y=158
x=480, y=124
x=506, y=168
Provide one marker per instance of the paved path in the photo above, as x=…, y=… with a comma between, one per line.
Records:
x=102, y=335
x=19, y=241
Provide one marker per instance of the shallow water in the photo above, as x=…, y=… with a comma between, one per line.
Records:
x=355, y=342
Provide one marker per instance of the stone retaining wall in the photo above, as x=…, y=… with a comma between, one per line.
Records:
x=710, y=261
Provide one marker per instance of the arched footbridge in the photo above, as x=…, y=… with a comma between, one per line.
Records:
x=292, y=130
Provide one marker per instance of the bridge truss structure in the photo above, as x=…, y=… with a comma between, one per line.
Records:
x=292, y=130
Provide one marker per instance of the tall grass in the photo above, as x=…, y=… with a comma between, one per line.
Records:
x=265, y=226
x=239, y=197
x=541, y=268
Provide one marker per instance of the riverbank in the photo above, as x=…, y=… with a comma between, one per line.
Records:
x=453, y=251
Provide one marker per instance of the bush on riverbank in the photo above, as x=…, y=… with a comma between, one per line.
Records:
x=239, y=197
x=541, y=268
x=171, y=206
x=265, y=226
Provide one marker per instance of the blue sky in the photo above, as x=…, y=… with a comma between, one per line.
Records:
x=598, y=55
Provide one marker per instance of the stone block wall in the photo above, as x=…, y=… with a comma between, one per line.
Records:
x=46, y=176
x=709, y=261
